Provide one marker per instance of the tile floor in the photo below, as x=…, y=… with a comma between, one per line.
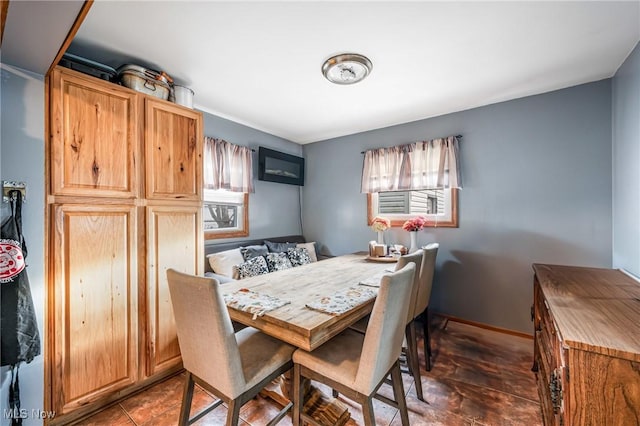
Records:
x=479, y=377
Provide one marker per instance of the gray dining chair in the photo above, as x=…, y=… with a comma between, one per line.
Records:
x=424, y=296
x=410, y=337
x=232, y=366
x=356, y=365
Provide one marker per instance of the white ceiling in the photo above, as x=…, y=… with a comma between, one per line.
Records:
x=35, y=31
x=259, y=63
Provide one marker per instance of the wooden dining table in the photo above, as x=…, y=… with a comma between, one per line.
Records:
x=294, y=322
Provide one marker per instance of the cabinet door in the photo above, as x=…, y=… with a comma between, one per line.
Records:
x=94, y=279
x=174, y=240
x=173, y=141
x=94, y=137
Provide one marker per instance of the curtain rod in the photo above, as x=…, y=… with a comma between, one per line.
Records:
x=457, y=136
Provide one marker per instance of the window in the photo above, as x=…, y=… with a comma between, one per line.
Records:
x=228, y=179
x=226, y=214
x=418, y=179
x=438, y=206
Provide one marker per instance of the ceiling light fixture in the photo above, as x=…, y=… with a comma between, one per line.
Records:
x=346, y=68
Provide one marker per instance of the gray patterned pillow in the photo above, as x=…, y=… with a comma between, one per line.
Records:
x=278, y=262
x=299, y=256
x=249, y=252
x=278, y=247
x=251, y=268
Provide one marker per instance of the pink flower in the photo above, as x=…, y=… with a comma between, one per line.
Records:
x=380, y=224
x=415, y=224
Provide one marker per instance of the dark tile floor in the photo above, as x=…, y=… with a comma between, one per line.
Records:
x=479, y=377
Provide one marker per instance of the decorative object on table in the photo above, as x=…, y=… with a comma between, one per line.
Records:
x=413, y=226
x=380, y=224
x=343, y=300
x=389, y=259
x=253, y=302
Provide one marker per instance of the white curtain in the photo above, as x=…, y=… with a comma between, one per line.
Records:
x=430, y=164
x=227, y=166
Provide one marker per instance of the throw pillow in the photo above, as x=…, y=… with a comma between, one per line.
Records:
x=299, y=256
x=278, y=262
x=251, y=268
x=222, y=279
x=311, y=248
x=222, y=263
x=278, y=247
x=253, y=251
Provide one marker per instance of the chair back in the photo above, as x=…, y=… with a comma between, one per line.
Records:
x=385, y=332
x=205, y=333
x=415, y=258
x=426, y=278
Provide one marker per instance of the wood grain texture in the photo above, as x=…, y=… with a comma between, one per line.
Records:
x=294, y=323
x=96, y=179
x=587, y=325
x=593, y=308
x=605, y=390
x=173, y=146
x=4, y=8
x=174, y=240
x=95, y=303
x=94, y=139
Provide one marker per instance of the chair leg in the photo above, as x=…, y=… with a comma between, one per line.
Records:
x=233, y=413
x=367, y=412
x=398, y=393
x=187, y=396
x=412, y=357
x=298, y=395
x=427, y=338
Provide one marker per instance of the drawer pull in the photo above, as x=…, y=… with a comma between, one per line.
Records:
x=532, y=313
x=555, y=390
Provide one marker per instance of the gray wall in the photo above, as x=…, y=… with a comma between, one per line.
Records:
x=22, y=159
x=537, y=188
x=274, y=208
x=626, y=164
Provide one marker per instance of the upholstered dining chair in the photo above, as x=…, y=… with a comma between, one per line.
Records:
x=232, y=366
x=424, y=296
x=410, y=337
x=356, y=365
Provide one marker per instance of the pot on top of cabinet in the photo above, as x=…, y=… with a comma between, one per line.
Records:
x=145, y=80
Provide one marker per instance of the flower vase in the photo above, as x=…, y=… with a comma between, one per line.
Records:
x=414, y=241
x=380, y=237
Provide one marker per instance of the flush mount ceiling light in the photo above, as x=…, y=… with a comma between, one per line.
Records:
x=346, y=68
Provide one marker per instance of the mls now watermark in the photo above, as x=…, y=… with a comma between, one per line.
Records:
x=23, y=413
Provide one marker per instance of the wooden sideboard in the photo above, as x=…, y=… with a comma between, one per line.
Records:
x=587, y=345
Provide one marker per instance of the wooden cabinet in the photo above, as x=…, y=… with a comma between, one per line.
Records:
x=173, y=148
x=95, y=302
x=94, y=137
x=587, y=345
x=110, y=320
x=174, y=240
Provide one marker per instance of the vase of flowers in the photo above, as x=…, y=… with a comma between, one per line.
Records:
x=413, y=226
x=380, y=224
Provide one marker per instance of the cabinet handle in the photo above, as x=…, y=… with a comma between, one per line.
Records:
x=555, y=389
x=532, y=313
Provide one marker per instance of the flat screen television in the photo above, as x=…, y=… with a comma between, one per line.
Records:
x=275, y=166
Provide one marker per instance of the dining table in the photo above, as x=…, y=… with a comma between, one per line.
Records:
x=301, y=290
